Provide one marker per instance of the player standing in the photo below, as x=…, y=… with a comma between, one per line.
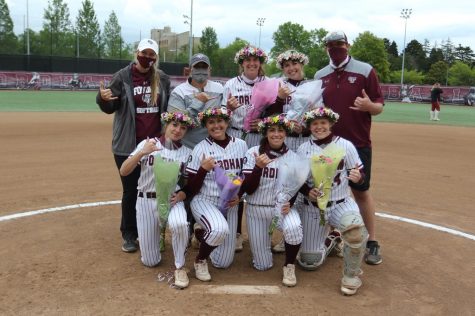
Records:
x=216, y=232
x=168, y=147
x=260, y=183
x=237, y=98
x=341, y=212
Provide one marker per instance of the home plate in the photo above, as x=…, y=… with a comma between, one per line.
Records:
x=237, y=289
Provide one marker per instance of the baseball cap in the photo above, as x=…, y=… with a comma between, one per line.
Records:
x=336, y=36
x=148, y=43
x=199, y=58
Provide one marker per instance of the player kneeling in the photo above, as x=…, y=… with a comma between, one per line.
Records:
x=215, y=230
x=261, y=185
x=339, y=209
x=169, y=148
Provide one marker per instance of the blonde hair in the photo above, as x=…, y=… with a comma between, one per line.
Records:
x=155, y=79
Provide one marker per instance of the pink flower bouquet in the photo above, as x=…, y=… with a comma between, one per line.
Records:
x=264, y=93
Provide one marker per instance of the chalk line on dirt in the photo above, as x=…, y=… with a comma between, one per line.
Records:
x=94, y=204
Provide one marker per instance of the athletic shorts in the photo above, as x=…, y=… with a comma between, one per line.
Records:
x=365, y=154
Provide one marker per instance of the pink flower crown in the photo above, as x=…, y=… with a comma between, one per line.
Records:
x=323, y=112
x=280, y=120
x=221, y=112
x=178, y=117
x=248, y=51
x=291, y=55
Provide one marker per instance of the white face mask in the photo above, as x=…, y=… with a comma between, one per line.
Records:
x=199, y=75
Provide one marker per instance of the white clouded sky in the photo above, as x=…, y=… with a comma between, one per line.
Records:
x=432, y=20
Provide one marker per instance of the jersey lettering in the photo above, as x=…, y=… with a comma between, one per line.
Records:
x=270, y=172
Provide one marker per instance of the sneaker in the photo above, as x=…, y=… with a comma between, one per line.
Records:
x=181, y=278
x=289, y=278
x=350, y=285
x=129, y=246
x=239, y=241
x=334, y=244
x=372, y=255
x=280, y=247
x=201, y=271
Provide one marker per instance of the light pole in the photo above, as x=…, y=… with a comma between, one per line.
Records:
x=27, y=29
x=260, y=23
x=189, y=20
x=405, y=14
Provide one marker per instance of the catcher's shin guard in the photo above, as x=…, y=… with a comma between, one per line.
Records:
x=354, y=235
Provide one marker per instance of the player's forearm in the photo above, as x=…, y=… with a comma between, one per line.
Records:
x=130, y=164
x=376, y=108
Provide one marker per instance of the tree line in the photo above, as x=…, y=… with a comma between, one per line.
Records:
x=425, y=63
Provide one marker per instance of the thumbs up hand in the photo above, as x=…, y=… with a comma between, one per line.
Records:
x=232, y=103
x=106, y=94
x=283, y=91
x=354, y=174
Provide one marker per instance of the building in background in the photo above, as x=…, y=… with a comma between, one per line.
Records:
x=172, y=45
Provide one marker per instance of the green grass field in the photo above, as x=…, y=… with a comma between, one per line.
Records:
x=85, y=101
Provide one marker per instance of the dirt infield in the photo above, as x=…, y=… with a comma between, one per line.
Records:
x=70, y=262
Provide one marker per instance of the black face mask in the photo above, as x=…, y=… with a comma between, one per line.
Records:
x=146, y=62
x=199, y=75
x=337, y=54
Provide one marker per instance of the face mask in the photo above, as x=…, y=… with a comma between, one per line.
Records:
x=337, y=54
x=199, y=75
x=145, y=62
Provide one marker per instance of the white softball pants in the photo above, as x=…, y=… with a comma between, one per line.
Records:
x=258, y=219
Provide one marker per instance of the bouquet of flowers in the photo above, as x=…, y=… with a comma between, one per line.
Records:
x=264, y=93
x=292, y=175
x=323, y=169
x=307, y=96
x=166, y=178
x=229, y=185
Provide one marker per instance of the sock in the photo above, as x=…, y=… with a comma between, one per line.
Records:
x=240, y=213
x=205, y=251
x=291, y=252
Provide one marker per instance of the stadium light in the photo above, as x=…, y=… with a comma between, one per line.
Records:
x=27, y=29
x=405, y=14
x=189, y=20
x=260, y=23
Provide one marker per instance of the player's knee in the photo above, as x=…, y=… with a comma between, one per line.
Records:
x=293, y=234
x=353, y=230
x=216, y=236
x=177, y=227
x=151, y=260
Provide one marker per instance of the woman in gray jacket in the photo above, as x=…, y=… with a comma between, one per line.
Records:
x=137, y=95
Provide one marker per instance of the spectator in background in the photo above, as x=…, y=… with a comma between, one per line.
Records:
x=435, y=93
x=137, y=94
x=351, y=88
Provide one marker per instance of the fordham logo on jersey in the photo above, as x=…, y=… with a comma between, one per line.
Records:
x=270, y=172
x=228, y=164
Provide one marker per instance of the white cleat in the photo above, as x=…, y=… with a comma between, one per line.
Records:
x=239, y=241
x=350, y=285
x=289, y=278
x=201, y=271
x=280, y=247
x=181, y=278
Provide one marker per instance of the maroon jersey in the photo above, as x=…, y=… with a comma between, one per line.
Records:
x=147, y=115
x=341, y=88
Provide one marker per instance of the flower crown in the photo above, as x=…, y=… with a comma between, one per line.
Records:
x=324, y=112
x=280, y=120
x=179, y=117
x=248, y=51
x=291, y=55
x=219, y=112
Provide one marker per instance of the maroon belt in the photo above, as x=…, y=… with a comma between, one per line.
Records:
x=148, y=195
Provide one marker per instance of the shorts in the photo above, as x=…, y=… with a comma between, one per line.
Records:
x=365, y=154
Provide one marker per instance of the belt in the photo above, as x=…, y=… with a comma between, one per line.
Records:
x=329, y=204
x=148, y=195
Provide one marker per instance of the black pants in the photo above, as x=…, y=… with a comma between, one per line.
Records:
x=128, y=224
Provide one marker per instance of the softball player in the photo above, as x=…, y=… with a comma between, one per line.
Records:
x=261, y=170
x=341, y=212
x=216, y=233
x=169, y=148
